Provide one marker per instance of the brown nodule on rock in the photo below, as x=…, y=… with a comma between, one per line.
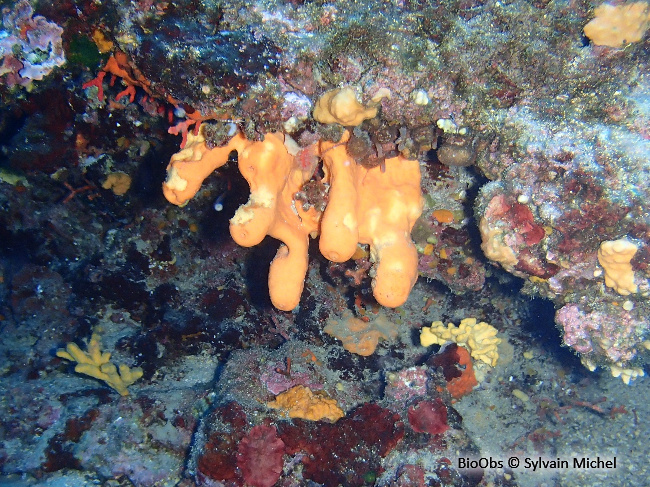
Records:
x=457, y=152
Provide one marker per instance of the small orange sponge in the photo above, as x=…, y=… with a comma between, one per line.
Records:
x=301, y=402
x=359, y=336
x=618, y=25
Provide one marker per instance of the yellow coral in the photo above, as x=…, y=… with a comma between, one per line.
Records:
x=617, y=25
x=358, y=336
x=341, y=106
x=369, y=206
x=301, y=402
x=479, y=338
x=615, y=257
x=97, y=364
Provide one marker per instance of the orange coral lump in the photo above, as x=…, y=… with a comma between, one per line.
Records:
x=301, y=402
x=618, y=25
x=443, y=216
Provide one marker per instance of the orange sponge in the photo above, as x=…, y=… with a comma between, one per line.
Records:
x=463, y=385
x=271, y=210
x=188, y=168
x=359, y=336
x=376, y=206
x=301, y=402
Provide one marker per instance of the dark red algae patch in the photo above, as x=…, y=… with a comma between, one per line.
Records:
x=220, y=304
x=59, y=455
x=218, y=459
x=347, y=452
x=75, y=427
x=429, y=417
x=448, y=360
x=260, y=456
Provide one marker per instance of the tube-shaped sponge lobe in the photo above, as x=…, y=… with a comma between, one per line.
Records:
x=395, y=272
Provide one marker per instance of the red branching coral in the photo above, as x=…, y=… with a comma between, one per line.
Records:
x=429, y=417
x=259, y=456
x=345, y=452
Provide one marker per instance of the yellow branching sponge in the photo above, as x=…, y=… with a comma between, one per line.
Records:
x=615, y=257
x=96, y=363
x=301, y=402
x=618, y=25
x=376, y=206
x=359, y=336
x=479, y=338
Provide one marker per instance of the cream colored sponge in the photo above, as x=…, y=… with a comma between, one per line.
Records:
x=479, y=338
x=341, y=106
x=615, y=256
